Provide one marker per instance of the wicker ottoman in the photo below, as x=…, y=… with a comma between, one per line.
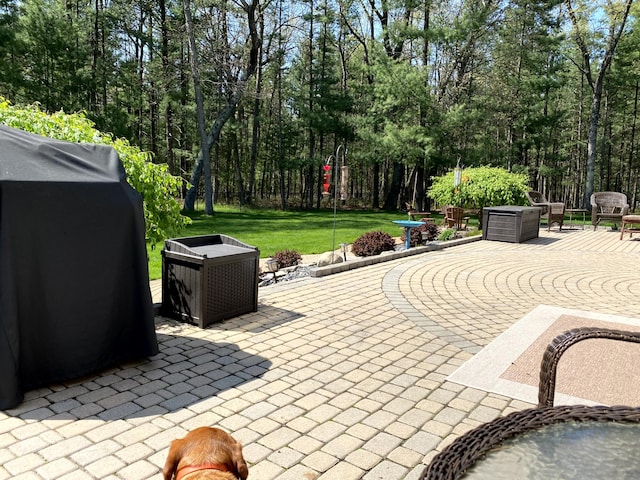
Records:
x=208, y=278
x=630, y=220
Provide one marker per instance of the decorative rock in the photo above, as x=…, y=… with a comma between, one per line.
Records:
x=330, y=258
x=290, y=273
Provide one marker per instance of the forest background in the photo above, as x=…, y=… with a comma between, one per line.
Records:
x=247, y=100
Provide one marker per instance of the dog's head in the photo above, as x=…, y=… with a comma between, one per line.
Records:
x=205, y=449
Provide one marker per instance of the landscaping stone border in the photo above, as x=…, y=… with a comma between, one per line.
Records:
x=388, y=256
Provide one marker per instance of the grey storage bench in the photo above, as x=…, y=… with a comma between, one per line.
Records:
x=510, y=223
x=208, y=278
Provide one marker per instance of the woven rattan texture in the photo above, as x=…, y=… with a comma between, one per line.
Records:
x=458, y=457
x=560, y=344
x=231, y=290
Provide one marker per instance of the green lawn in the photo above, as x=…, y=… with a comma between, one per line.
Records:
x=307, y=232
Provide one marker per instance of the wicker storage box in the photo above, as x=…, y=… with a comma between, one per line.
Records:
x=208, y=278
x=510, y=223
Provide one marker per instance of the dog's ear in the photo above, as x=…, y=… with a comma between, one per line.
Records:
x=173, y=458
x=238, y=460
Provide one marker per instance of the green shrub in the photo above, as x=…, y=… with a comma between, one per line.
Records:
x=481, y=187
x=287, y=258
x=372, y=243
x=157, y=187
x=447, y=234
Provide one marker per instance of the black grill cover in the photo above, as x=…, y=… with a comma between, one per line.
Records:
x=74, y=281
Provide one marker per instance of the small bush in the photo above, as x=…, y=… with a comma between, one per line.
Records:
x=287, y=258
x=372, y=243
x=447, y=234
x=158, y=188
x=430, y=228
x=416, y=236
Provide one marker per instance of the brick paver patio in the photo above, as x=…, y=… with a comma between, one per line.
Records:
x=338, y=377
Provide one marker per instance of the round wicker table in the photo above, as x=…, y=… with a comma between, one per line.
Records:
x=521, y=446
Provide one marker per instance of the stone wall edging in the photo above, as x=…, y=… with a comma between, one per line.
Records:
x=388, y=256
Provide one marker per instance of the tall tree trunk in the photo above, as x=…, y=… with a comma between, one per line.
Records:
x=204, y=147
x=312, y=139
x=96, y=54
x=153, y=93
x=250, y=9
x=375, y=197
x=605, y=158
x=391, y=200
x=235, y=149
x=311, y=173
x=140, y=56
x=184, y=94
x=420, y=185
x=632, y=140
x=592, y=145
x=168, y=110
x=323, y=63
x=255, y=135
x=578, y=179
x=597, y=84
x=364, y=44
x=281, y=170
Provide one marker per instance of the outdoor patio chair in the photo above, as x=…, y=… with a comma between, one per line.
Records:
x=552, y=211
x=608, y=206
x=454, y=216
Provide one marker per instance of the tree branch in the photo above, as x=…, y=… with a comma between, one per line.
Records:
x=584, y=51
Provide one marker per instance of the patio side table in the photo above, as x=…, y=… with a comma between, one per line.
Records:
x=573, y=211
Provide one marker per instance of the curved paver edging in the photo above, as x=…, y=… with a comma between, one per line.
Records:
x=393, y=292
x=388, y=256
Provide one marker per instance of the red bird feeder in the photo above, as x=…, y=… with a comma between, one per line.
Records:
x=326, y=182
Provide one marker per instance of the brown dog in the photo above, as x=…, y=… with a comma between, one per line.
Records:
x=205, y=453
